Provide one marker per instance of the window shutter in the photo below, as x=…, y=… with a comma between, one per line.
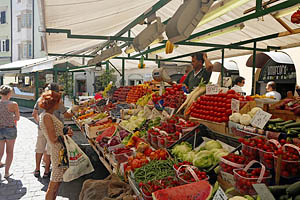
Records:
x=7, y=44
x=3, y=17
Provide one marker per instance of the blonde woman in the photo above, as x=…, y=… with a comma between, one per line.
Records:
x=9, y=115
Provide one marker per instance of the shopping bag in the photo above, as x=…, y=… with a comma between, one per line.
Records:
x=79, y=163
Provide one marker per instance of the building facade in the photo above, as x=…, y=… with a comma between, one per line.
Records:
x=5, y=32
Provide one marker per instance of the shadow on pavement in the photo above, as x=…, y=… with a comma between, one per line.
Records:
x=12, y=189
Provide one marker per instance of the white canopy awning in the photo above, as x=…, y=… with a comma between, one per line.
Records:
x=27, y=66
x=107, y=17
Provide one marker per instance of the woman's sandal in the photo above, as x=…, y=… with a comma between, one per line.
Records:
x=8, y=175
x=37, y=173
x=46, y=175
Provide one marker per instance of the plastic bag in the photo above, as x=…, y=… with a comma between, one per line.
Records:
x=79, y=163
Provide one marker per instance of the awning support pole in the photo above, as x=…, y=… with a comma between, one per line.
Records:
x=73, y=94
x=123, y=72
x=253, y=69
x=222, y=67
x=107, y=67
x=115, y=67
x=36, y=81
x=55, y=75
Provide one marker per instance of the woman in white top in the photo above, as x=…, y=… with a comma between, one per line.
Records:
x=238, y=84
x=271, y=90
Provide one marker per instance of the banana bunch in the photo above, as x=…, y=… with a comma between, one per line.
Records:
x=107, y=88
x=169, y=47
x=144, y=100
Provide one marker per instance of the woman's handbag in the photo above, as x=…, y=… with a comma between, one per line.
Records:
x=79, y=162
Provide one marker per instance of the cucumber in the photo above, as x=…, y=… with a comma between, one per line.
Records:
x=294, y=189
x=284, y=123
x=295, y=124
x=277, y=120
x=297, y=197
x=278, y=190
x=284, y=197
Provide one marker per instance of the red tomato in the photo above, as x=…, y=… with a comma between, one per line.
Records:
x=230, y=92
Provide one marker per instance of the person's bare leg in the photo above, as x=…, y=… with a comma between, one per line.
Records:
x=47, y=162
x=2, y=146
x=52, y=190
x=9, y=155
x=38, y=158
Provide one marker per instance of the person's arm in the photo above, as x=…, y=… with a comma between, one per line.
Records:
x=68, y=114
x=48, y=122
x=186, y=81
x=17, y=112
x=208, y=64
x=35, y=115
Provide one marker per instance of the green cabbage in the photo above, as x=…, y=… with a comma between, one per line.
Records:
x=219, y=154
x=180, y=149
x=189, y=156
x=212, y=144
x=203, y=159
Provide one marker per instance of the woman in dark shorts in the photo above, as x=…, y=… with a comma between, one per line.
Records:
x=9, y=115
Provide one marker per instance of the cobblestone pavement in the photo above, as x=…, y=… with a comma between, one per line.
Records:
x=22, y=184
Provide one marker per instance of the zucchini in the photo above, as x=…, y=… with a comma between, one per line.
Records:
x=294, y=189
x=291, y=125
x=284, y=123
x=295, y=128
x=297, y=197
x=277, y=120
x=292, y=132
x=278, y=190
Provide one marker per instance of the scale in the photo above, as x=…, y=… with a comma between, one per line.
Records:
x=160, y=75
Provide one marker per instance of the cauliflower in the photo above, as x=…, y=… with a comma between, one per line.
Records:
x=253, y=111
x=235, y=117
x=245, y=119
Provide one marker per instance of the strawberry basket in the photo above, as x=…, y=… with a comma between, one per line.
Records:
x=245, y=177
x=290, y=161
x=189, y=174
x=266, y=155
x=251, y=153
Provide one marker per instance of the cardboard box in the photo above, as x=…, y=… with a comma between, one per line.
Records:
x=214, y=126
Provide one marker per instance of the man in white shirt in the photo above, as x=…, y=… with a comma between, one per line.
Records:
x=271, y=90
x=238, y=84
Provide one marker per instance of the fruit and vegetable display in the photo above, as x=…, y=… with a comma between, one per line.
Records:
x=217, y=108
x=289, y=104
x=136, y=92
x=173, y=156
x=208, y=155
x=121, y=93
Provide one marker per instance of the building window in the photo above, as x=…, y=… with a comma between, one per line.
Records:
x=19, y=1
x=26, y=20
x=19, y=23
x=29, y=50
x=3, y=17
x=20, y=51
x=4, y=45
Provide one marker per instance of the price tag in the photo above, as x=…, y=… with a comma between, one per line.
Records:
x=260, y=119
x=107, y=101
x=235, y=105
x=223, y=89
x=220, y=195
x=170, y=111
x=212, y=89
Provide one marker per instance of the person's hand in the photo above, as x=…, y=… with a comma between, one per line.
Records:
x=70, y=132
x=204, y=56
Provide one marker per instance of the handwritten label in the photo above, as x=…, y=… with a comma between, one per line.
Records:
x=107, y=101
x=212, y=89
x=170, y=111
x=260, y=119
x=220, y=195
x=235, y=105
x=223, y=89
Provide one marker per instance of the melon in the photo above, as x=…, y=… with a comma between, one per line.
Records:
x=111, y=131
x=201, y=190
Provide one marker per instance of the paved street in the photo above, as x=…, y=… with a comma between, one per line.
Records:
x=22, y=184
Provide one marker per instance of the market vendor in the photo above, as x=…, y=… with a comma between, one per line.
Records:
x=238, y=84
x=271, y=90
x=199, y=70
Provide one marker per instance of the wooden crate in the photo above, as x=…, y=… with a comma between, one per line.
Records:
x=214, y=126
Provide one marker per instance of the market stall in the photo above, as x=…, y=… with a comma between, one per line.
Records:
x=277, y=67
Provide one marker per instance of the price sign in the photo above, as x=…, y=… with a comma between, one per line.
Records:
x=212, y=89
x=235, y=105
x=223, y=89
x=220, y=195
x=260, y=119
